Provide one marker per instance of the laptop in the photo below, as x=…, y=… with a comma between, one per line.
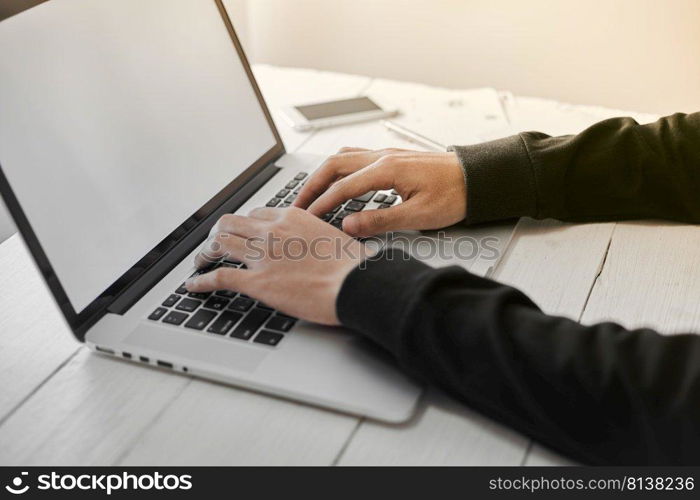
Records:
x=127, y=128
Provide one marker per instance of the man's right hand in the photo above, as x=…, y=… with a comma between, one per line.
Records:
x=431, y=185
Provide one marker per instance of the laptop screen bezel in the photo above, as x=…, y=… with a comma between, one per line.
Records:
x=80, y=322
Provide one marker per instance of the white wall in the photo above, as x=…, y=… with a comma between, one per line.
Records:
x=631, y=54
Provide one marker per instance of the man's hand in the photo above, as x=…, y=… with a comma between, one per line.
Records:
x=295, y=262
x=431, y=184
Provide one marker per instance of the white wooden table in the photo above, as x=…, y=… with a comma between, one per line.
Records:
x=61, y=405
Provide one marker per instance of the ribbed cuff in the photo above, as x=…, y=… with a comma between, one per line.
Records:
x=500, y=180
x=376, y=295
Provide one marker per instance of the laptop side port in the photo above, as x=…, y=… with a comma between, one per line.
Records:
x=104, y=350
x=144, y=359
x=126, y=355
x=164, y=364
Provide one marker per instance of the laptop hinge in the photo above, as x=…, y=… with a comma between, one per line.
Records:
x=160, y=269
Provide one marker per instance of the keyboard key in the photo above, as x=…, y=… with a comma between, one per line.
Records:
x=354, y=206
x=343, y=214
x=241, y=304
x=226, y=293
x=200, y=319
x=365, y=197
x=188, y=305
x=273, y=202
x=262, y=305
x=280, y=323
x=282, y=193
x=216, y=303
x=175, y=318
x=300, y=176
x=268, y=338
x=390, y=199
x=250, y=324
x=225, y=322
x=284, y=205
x=296, y=191
x=199, y=295
x=337, y=223
x=394, y=192
x=380, y=198
x=181, y=289
x=158, y=313
x=171, y=301
x=327, y=217
x=384, y=205
x=290, y=198
x=291, y=184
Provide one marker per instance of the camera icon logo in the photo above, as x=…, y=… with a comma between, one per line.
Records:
x=16, y=487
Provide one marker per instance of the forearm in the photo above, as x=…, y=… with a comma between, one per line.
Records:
x=614, y=169
x=599, y=394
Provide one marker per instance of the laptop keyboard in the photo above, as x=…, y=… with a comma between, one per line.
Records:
x=232, y=315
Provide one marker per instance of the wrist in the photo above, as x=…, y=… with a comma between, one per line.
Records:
x=500, y=182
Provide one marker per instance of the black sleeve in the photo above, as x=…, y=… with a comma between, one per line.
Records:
x=599, y=394
x=615, y=169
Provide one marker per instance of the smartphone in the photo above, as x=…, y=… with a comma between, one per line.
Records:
x=331, y=113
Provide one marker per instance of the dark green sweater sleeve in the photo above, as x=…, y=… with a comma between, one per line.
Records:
x=615, y=169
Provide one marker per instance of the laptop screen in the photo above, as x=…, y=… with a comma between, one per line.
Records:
x=119, y=119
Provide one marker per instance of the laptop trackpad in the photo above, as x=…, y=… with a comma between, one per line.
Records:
x=194, y=346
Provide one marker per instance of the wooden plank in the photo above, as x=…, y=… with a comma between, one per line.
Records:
x=555, y=263
x=89, y=413
x=443, y=432
x=539, y=456
x=34, y=338
x=650, y=279
x=215, y=425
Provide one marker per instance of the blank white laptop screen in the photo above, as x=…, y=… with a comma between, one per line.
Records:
x=118, y=120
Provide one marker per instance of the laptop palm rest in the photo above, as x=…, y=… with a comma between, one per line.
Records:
x=237, y=357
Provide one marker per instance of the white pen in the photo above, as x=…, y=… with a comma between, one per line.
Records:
x=413, y=136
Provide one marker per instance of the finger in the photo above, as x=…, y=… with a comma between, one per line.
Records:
x=335, y=167
x=239, y=225
x=220, y=246
x=379, y=175
x=265, y=213
x=349, y=149
x=371, y=222
x=223, y=278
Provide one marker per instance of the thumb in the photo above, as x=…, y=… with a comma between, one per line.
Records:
x=371, y=222
x=222, y=278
